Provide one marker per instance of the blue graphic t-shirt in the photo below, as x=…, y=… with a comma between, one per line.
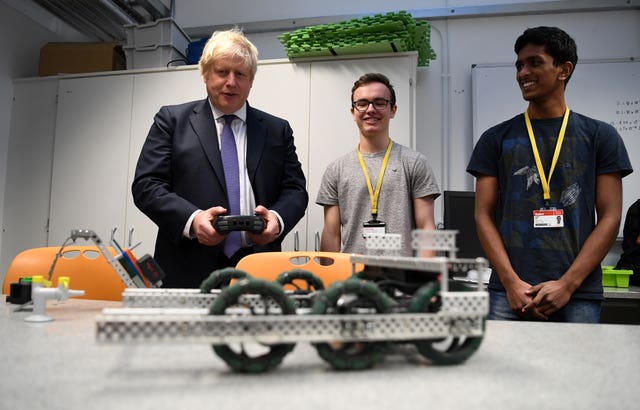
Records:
x=590, y=148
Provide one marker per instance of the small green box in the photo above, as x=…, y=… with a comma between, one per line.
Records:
x=617, y=278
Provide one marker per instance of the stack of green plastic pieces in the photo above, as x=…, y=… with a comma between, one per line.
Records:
x=381, y=33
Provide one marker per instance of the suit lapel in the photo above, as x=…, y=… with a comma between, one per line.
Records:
x=256, y=139
x=204, y=126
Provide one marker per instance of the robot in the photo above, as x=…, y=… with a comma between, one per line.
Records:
x=253, y=323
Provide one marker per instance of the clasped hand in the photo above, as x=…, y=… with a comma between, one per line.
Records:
x=539, y=301
x=547, y=298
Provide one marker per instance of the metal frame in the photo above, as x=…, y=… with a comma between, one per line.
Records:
x=182, y=315
x=164, y=325
x=89, y=234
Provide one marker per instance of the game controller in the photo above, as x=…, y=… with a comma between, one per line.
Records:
x=227, y=223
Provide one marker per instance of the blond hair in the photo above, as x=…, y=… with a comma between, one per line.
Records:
x=229, y=44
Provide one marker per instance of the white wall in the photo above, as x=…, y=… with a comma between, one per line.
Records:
x=20, y=41
x=490, y=40
x=444, y=89
x=198, y=13
x=444, y=120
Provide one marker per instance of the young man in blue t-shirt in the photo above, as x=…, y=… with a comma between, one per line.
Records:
x=542, y=177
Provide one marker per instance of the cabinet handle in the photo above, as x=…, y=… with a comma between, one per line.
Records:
x=131, y=245
x=317, y=241
x=296, y=241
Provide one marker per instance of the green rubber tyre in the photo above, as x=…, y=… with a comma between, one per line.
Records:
x=363, y=274
x=450, y=350
x=351, y=355
x=240, y=358
x=221, y=278
x=295, y=277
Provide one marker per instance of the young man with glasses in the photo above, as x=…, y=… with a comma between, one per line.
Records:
x=379, y=187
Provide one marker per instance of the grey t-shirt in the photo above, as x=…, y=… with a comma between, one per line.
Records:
x=408, y=176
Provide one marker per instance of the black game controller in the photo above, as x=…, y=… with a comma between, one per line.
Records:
x=227, y=223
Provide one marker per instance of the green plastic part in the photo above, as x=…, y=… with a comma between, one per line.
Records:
x=369, y=34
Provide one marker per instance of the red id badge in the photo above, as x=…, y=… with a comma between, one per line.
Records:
x=548, y=218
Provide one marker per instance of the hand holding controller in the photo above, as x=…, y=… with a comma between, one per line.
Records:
x=224, y=224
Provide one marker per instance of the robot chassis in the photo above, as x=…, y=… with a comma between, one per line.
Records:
x=253, y=324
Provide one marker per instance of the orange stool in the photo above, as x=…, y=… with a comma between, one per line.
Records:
x=328, y=266
x=85, y=266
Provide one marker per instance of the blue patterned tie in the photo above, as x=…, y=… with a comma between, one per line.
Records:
x=229, y=155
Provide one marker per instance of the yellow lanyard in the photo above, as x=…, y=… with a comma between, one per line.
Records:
x=375, y=195
x=546, y=190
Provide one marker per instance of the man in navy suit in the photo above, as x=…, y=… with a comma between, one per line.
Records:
x=180, y=176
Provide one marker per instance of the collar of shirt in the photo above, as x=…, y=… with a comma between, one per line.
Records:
x=217, y=114
x=239, y=130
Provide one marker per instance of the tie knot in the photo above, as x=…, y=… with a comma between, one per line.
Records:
x=228, y=118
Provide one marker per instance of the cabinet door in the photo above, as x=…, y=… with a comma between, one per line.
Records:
x=153, y=90
x=282, y=89
x=27, y=190
x=332, y=131
x=88, y=188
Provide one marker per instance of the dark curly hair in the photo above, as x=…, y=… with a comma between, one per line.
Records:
x=557, y=43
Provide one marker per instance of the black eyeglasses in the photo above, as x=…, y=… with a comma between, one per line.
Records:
x=362, y=105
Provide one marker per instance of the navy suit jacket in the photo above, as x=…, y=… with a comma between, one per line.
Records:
x=180, y=170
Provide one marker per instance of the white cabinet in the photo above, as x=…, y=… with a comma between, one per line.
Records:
x=29, y=161
x=282, y=89
x=151, y=91
x=91, y=161
x=101, y=122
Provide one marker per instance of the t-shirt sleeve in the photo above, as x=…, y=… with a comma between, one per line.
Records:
x=328, y=191
x=424, y=181
x=612, y=155
x=485, y=155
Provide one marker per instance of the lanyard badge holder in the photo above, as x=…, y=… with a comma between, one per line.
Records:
x=547, y=217
x=374, y=226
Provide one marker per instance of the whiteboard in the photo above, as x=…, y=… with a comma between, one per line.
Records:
x=608, y=90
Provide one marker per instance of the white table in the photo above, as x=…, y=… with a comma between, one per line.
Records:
x=59, y=365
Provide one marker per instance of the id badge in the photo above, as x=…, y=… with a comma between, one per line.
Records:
x=373, y=227
x=548, y=218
